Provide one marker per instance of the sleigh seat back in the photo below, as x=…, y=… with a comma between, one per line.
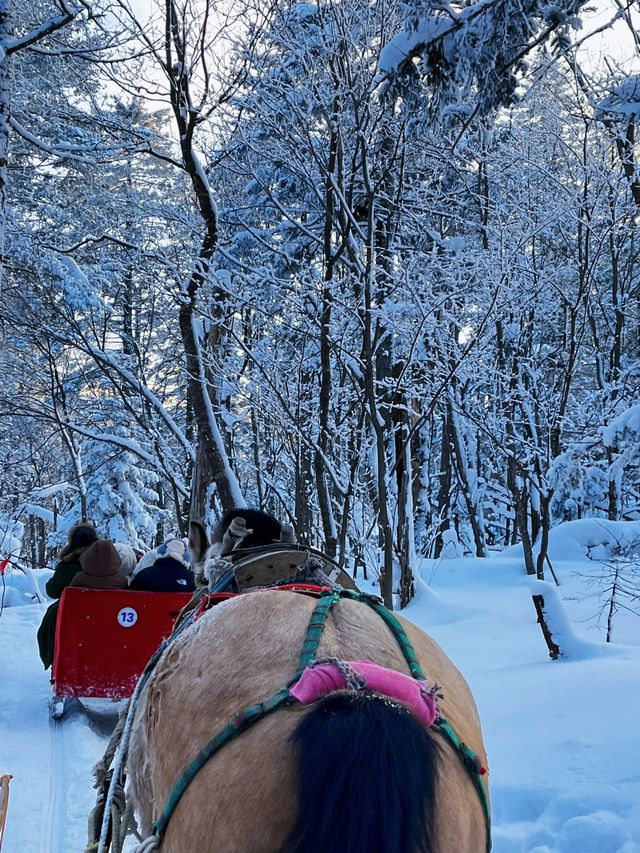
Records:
x=104, y=639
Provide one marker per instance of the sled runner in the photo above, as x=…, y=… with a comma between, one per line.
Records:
x=104, y=639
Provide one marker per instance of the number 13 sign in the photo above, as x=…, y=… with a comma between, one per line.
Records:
x=127, y=617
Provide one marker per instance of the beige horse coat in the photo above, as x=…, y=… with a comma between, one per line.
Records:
x=243, y=651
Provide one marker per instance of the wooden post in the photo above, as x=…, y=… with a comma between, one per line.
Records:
x=4, y=802
x=554, y=649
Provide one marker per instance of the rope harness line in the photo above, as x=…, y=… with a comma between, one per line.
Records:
x=113, y=815
x=250, y=715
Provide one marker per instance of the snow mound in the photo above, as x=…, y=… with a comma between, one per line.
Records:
x=23, y=587
x=429, y=608
x=571, y=646
x=593, y=538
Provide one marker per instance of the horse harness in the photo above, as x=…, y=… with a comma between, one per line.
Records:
x=250, y=715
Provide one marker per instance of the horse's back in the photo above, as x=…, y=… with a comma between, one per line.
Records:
x=240, y=653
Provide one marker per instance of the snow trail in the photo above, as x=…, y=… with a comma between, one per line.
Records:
x=54, y=835
x=51, y=762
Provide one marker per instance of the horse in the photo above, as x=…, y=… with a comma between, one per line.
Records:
x=355, y=771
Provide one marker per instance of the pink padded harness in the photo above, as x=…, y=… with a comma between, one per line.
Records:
x=324, y=677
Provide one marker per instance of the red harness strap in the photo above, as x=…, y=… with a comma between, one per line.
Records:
x=209, y=600
x=212, y=598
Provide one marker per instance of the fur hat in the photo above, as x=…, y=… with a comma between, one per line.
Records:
x=80, y=536
x=176, y=548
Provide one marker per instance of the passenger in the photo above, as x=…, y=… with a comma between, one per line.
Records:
x=100, y=568
x=166, y=569
x=245, y=528
x=144, y=561
x=129, y=559
x=81, y=537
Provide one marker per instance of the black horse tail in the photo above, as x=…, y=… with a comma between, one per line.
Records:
x=367, y=778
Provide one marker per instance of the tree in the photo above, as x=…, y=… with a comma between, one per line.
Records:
x=40, y=27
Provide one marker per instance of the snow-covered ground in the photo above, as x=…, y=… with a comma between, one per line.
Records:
x=561, y=736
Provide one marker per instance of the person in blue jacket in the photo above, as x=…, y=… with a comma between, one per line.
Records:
x=166, y=569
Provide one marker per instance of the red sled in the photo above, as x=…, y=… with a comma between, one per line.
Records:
x=105, y=638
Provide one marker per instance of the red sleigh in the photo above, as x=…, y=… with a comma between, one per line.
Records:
x=104, y=639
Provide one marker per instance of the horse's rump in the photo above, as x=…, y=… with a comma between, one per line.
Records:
x=245, y=799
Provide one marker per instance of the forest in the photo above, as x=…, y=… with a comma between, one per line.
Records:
x=371, y=266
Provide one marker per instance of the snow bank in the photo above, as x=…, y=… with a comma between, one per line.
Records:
x=23, y=587
x=593, y=538
x=563, y=776
x=570, y=645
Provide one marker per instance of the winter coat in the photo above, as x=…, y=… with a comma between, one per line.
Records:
x=47, y=634
x=80, y=538
x=63, y=574
x=165, y=575
x=100, y=568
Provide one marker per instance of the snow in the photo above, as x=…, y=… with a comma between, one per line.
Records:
x=563, y=776
x=39, y=512
x=591, y=538
x=626, y=424
x=50, y=794
x=22, y=586
x=405, y=43
x=560, y=734
x=42, y=492
x=623, y=100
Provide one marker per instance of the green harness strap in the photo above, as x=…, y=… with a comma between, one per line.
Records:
x=315, y=631
x=396, y=629
x=252, y=713
x=238, y=724
x=472, y=765
x=249, y=715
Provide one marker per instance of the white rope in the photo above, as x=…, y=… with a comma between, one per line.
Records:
x=123, y=747
x=149, y=844
x=121, y=755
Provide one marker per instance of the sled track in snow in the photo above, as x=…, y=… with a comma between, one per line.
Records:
x=53, y=840
x=63, y=781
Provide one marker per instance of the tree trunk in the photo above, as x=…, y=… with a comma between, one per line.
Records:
x=406, y=542
x=444, y=491
x=5, y=32
x=212, y=463
x=554, y=649
x=522, y=523
x=461, y=464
